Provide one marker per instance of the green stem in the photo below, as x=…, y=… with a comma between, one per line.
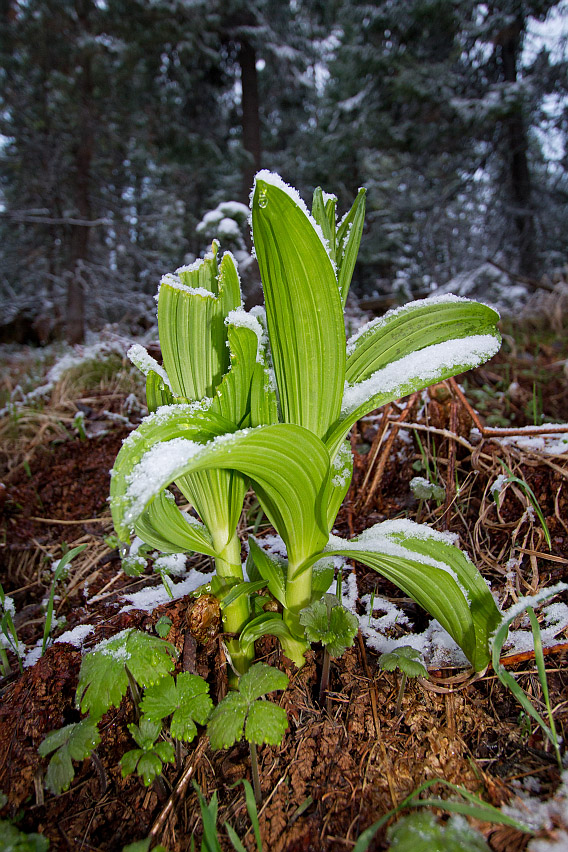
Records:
x=236, y=615
x=324, y=682
x=6, y=670
x=298, y=593
x=400, y=694
x=255, y=774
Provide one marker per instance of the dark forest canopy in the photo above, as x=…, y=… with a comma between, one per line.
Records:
x=125, y=121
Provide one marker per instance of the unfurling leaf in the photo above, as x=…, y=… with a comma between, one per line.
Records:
x=329, y=622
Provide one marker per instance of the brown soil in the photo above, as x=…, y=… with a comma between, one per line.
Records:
x=341, y=767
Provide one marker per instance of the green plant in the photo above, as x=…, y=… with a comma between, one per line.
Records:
x=421, y=832
x=129, y=659
x=14, y=840
x=511, y=478
x=245, y=711
x=8, y=634
x=507, y=678
x=210, y=842
x=148, y=758
x=163, y=626
x=279, y=417
x=408, y=661
x=329, y=622
x=73, y=742
x=60, y=571
x=467, y=805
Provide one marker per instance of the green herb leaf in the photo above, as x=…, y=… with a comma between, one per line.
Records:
x=303, y=306
x=164, y=526
x=237, y=708
x=266, y=723
x=14, y=840
x=328, y=622
x=73, y=742
x=405, y=658
x=103, y=680
x=187, y=699
x=348, y=239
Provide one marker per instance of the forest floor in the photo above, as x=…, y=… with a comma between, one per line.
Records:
x=342, y=766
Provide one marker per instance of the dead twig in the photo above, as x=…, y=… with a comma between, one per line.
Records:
x=179, y=790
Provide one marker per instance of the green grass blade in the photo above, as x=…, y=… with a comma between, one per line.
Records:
x=541, y=668
x=303, y=306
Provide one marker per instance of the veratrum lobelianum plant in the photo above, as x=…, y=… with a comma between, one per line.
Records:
x=267, y=398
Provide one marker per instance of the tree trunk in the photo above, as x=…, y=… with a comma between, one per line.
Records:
x=517, y=145
x=250, y=116
x=75, y=319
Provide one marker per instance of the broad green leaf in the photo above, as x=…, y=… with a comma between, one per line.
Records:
x=327, y=621
x=266, y=723
x=165, y=751
x=412, y=328
x=191, y=315
x=349, y=235
x=260, y=680
x=405, y=658
x=232, y=398
x=303, y=306
x=103, y=680
x=187, y=699
x=412, y=363
x=158, y=392
x=129, y=761
x=73, y=742
x=341, y=474
x=164, y=526
x=270, y=569
x=226, y=724
x=240, y=589
x=271, y=624
x=287, y=464
x=192, y=421
x=323, y=573
x=428, y=567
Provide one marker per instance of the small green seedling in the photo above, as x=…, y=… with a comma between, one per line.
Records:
x=162, y=626
x=421, y=832
x=423, y=489
x=147, y=760
x=143, y=846
x=60, y=571
x=8, y=634
x=210, y=842
x=329, y=622
x=408, y=661
x=262, y=721
x=73, y=742
x=14, y=840
x=511, y=478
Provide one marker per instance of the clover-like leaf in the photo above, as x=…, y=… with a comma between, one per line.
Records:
x=14, y=840
x=405, y=658
x=329, y=622
x=187, y=699
x=73, y=742
x=103, y=678
x=246, y=709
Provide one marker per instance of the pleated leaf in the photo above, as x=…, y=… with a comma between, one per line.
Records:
x=164, y=526
x=323, y=211
x=436, y=574
x=348, y=240
x=303, y=307
x=271, y=624
x=419, y=362
x=287, y=464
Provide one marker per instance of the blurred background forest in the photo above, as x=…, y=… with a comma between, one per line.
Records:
x=124, y=123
